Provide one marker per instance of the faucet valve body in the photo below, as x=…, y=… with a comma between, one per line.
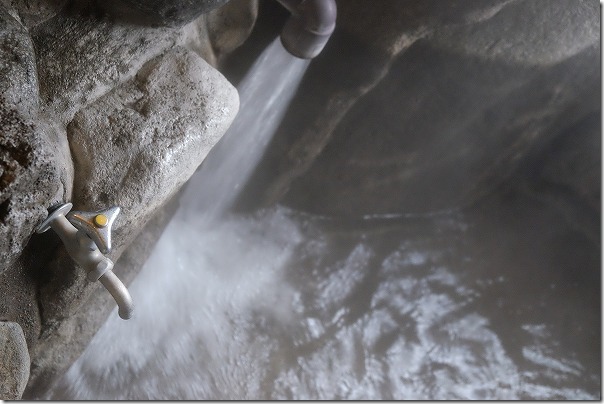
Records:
x=87, y=236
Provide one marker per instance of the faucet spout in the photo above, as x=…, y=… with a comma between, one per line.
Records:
x=310, y=26
x=120, y=294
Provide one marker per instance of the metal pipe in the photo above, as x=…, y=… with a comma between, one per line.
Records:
x=82, y=233
x=119, y=292
x=312, y=22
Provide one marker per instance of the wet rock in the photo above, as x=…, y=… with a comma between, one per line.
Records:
x=36, y=173
x=136, y=146
x=174, y=13
x=14, y=361
x=157, y=143
x=35, y=164
x=230, y=25
x=18, y=81
x=219, y=32
x=403, y=23
x=522, y=33
x=34, y=12
x=416, y=107
x=20, y=282
x=81, y=56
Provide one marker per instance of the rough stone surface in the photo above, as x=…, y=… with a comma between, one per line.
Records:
x=134, y=147
x=93, y=64
x=424, y=106
x=81, y=56
x=18, y=81
x=14, y=361
x=35, y=166
x=534, y=33
x=172, y=13
x=19, y=285
x=32, y=178
x=34, y=12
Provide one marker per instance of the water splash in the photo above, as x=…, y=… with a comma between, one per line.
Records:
x=216, y=283
x=282, y=305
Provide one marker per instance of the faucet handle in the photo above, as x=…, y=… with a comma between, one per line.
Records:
x=97, y=225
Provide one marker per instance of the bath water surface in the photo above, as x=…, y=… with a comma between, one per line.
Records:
x=283, y=305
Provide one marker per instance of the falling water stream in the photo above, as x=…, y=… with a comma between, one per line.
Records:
x=265, y=93
x=284, y=305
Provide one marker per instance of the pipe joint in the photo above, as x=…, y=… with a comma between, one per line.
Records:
x=308, y=29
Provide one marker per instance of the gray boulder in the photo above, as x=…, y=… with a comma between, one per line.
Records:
x=14, y=361
x=230, y=25
x=125, y=85
x=35, y=164
x=134, y=147
x=81, y=56
x=32, y=178
x=18, y=80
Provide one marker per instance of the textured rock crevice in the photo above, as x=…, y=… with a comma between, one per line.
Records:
x=33, y=170
x=89, y=64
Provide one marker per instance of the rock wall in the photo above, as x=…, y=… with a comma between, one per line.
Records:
x=424, y=106
x=413, y=107
x=98, y=111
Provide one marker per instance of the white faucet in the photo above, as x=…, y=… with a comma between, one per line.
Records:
x=87, y=236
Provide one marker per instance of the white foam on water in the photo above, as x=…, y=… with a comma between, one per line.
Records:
x=199, y=288
x=279, y=305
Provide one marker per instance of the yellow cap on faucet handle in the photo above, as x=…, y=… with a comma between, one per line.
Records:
x=101, y=220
